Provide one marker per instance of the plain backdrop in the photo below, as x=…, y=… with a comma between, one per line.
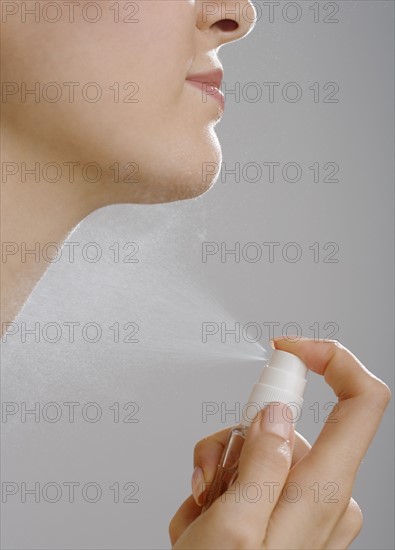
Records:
x=330, y=213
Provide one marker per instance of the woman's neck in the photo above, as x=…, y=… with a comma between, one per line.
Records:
x=36, y=211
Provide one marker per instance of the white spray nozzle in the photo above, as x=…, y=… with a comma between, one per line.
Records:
x=283, y=380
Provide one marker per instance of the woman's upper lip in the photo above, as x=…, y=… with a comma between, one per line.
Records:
x=212, y=78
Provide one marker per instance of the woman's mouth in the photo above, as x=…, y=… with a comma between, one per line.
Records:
x=209, y=83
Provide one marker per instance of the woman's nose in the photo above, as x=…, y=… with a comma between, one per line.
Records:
x=226, y=20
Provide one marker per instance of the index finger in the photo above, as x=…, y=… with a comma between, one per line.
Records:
x=362, y=399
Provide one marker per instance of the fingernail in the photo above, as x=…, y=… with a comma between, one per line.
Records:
x=198, y=484
x=277, y=419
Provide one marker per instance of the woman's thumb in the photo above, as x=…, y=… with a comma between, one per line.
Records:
x=264, y=464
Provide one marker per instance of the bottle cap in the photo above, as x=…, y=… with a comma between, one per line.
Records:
x=283, y=380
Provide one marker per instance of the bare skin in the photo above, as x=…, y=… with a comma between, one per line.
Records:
x=167, y=133
x=275, y=453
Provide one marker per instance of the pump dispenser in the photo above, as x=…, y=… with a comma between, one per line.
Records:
x=283, y=380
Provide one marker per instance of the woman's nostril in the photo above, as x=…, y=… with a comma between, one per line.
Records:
x=227, y=25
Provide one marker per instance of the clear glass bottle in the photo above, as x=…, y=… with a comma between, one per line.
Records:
x=228, y=466
x=283, y=380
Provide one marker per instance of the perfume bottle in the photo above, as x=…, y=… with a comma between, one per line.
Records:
x=283, y=380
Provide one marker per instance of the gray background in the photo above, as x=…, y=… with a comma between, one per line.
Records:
x=170, y=292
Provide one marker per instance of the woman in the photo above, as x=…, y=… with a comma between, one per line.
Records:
x=131, y=87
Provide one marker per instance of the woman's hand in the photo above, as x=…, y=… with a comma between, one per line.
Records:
x=289, y=494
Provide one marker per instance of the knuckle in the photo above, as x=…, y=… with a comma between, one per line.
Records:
x=199, y=447
x=241, y=537
x=172, y=530
x=208, y=446
x=335, y=344
x=380, y=393
x=202, y=448
x=240, y=533
x=353, y=518
x=275, y=456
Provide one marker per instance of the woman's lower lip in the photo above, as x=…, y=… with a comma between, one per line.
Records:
x=209, y=91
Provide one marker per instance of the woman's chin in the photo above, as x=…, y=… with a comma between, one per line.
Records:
x=185, y=173
x=175, y=189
